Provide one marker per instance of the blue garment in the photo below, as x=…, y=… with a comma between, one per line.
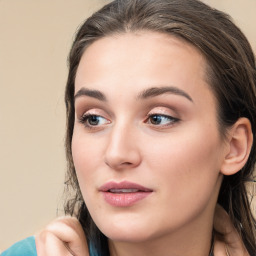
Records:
x=26, y=247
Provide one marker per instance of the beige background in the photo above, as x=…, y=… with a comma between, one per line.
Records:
x=35, y=37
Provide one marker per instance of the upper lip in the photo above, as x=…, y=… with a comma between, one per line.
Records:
x=123, y=185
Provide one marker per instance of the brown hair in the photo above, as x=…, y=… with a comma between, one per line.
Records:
x=231, y=75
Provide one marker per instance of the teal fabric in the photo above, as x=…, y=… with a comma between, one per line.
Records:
x=26, y=247
x=92, y=251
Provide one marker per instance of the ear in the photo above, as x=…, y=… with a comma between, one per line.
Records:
x=240, y=141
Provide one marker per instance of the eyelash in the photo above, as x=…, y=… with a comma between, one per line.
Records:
x=171, y=120
x=86, y=118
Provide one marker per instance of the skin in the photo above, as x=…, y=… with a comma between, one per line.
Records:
x=179, y=160
x=65, y=237
x=182, y=162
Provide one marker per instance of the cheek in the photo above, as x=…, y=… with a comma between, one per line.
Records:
x=86, y=149
x=184, y=151
x=86, y=158
x=187, y=165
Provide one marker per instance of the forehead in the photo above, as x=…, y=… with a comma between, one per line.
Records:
x=133, y=60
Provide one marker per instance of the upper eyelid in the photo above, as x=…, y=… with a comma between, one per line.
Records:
x=163, y=110
x=91, y=114
x=108, y=114
x=163, y=115
x=92, y=111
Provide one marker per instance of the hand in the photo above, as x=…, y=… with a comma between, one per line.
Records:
x=63, y=237
x=227, y=240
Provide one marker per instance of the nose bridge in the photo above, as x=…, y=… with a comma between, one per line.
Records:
x=122, y=149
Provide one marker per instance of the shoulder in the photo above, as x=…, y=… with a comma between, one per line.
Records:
x=26, y=247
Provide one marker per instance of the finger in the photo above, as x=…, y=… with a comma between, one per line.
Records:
x=219, y=248
x=226, y=234
x=69, y=231
x=223, y=225
x=48, y=244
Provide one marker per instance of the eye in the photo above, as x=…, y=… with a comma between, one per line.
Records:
x=161, y=120
x=90, y=120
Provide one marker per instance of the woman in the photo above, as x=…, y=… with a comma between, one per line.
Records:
x=160, y=124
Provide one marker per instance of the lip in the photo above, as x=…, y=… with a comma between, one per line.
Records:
x=113, y=195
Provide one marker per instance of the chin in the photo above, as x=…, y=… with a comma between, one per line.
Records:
x=128, y=236
x=126, y=231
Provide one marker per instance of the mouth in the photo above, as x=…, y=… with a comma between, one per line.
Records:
x=123, y=187
x=124, y=194
x=123, y=190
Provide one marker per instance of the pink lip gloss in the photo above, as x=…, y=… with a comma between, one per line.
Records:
x=124, y=199
x=123, y=194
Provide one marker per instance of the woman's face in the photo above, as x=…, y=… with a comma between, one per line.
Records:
x=146, y=145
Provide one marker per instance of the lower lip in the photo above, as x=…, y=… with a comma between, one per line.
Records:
x=124, y=199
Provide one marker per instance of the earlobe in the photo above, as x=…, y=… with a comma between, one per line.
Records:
x=240, y=140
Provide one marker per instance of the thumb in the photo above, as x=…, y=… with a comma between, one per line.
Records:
x=227, y=239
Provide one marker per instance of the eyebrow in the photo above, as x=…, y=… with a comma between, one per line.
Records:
x=156, y=91
x=145, y=94
x=90, y=93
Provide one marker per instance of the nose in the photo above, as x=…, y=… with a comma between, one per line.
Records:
x=122, y=150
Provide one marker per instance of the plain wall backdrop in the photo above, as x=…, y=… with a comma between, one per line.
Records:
x=35, y=38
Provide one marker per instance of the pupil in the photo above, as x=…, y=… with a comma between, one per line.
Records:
x=156, y=119
x=93, y=120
